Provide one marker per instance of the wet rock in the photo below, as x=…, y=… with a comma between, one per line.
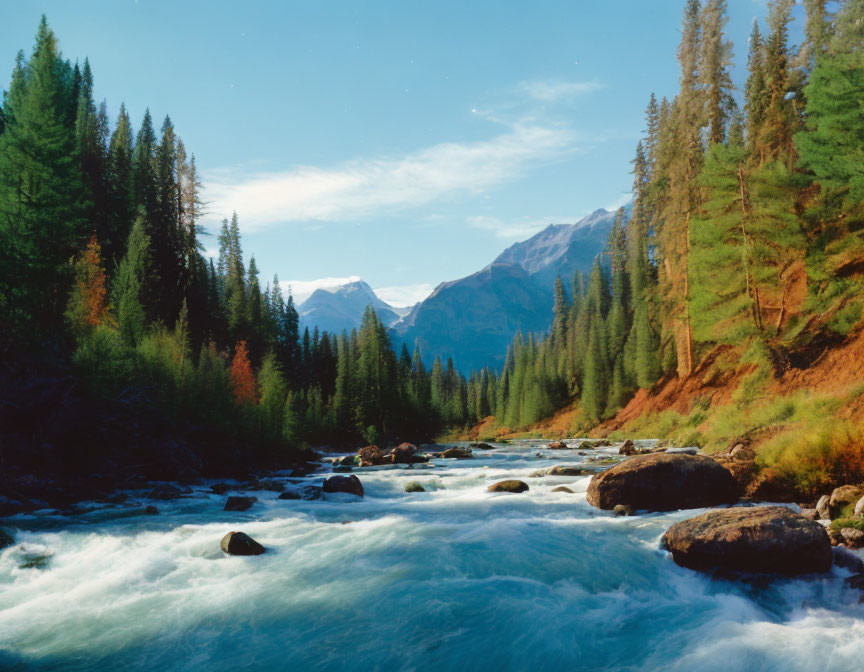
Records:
x=35, y=560
x=482, y=446
x=403, y=453
x=822, y=508
x=566, y=470
x=562, y=488
x=220, y=488
x=628, y=448
x=308, y=493
x=240, y=543
x=557, y=445
x=165, y=492
x=350, y=484
x=414, y=486
x=271, y=484
x=843, y=498
x=809, y=514
x=602, y=443
x=347, y=461
x=151, y=510
x=370, y=456
x=663, y=482
x=289, y=494
x=6, y=539
x=853, y=537
x=623, y=510
x=236, y=503
x=761, y=539
x=458, y=453
x=847, y=559
x=508, y=486
x=856, y=581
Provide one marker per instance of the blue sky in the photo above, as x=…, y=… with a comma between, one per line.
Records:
x=406, y=143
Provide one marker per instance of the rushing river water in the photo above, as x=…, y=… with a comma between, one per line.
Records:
x=451, y=579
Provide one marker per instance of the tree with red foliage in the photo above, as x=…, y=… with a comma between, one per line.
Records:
x=88, y=305
x=242, y=378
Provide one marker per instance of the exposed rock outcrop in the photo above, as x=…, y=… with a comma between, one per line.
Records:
x=663, y=482
x=751, y=539
x=458, y=453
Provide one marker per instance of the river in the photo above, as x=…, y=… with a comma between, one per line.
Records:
x=454, y=578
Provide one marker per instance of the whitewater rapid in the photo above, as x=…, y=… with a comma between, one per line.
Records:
x=454, y=578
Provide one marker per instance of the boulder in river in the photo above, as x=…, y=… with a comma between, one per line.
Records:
x=6, y=539
x=165, y=491
x=458, y=452
x=403, y=453
x=220, y=488
x=562, y=488
x=628, y=448
x=370, y=456
x=350, y=484
x=414, y=486
x=482, y=445
x=557, y=445
x=566, y=470
x=623, y=510
x=663, y=482
x=240, y=543
x=762, y=539
x=236, y=503
x=151, y=510
x=508, y=486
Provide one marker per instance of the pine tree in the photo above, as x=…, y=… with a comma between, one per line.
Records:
x=118, y=177
x=715, y=60
x=127, y=288
x=42, y=203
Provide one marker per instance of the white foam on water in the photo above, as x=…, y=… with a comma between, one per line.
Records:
x=451, y=578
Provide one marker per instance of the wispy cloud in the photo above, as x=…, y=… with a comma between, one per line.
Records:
x=373, y=187
x=554, y=91
x=518, y=228
x=402, y=296
x=303, y=289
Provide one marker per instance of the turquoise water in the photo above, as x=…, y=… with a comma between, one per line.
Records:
x=451, y=579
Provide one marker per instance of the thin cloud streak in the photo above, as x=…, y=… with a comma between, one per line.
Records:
x=374, y=187
x=553, y=91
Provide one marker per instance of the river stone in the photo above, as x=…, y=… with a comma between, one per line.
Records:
x=239, y=543
x=751, y=539
x=623, y=510
x=847, y=559
x=370, y=456
x=403, y=453
x=414, y=486
x=482, y=446
x=508, y=486
x=235, y=503
x=565, y=470
x=165, y=492
x=853, y=538
x=458, y=453
x=822, y=508
x=289, y=494
x=845, y=495
x=350, y=484
x=663, y=482
x=628, y=448
x=557, y=445
x=562, y=488
x=151, y=510
x=6, y=539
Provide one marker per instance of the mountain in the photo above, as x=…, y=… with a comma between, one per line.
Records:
x=474, y=319
x=342, y=307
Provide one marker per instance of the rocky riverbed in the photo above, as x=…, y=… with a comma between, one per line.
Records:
x=461, y=572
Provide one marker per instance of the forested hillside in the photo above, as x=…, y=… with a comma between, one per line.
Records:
x=123, y=343
x=743, y=257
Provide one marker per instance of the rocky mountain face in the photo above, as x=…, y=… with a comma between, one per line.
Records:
x=474, y=319
x=333, y=310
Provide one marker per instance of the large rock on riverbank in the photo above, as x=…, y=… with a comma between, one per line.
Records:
x=763, y=539
x=663, y=482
